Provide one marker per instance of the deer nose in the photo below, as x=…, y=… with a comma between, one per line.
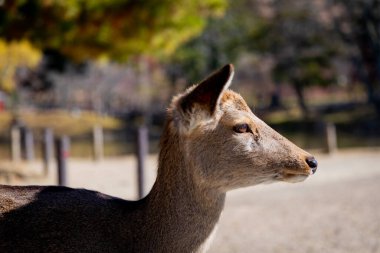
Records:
x=313, y=164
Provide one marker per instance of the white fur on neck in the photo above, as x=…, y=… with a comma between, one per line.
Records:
x=207, y=243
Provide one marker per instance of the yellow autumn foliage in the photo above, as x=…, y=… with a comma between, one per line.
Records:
x=13, y=55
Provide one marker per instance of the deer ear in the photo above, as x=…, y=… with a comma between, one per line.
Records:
x=207, y=93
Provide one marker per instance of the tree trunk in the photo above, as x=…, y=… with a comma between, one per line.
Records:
x=276, y=102
x=368, y=43
x=301, y=98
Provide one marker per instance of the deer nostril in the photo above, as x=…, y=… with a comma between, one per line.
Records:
x=313, y=164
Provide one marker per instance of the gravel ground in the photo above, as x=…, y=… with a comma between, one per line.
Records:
x=336, y=210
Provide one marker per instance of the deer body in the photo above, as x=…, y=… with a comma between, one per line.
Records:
x=211, y=143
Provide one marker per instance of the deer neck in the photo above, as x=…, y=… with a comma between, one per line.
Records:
x=184, y=212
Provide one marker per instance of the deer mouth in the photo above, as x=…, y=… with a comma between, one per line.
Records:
x=293, y=176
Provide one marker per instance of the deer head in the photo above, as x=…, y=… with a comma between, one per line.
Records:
x=226, y=145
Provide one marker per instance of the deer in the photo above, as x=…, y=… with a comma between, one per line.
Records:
x=211, y=143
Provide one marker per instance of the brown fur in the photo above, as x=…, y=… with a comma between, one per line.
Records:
x=201, y=158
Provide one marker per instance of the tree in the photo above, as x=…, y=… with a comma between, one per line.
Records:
x=117, y=29
x=290, y=33
x=13, y=56
x=301, y=44
x=223, y=40
x=358, y=24
x=68, y=33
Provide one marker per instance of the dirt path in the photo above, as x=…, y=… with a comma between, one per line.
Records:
x=335, y=211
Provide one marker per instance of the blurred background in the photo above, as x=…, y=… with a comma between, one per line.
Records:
x=96, y=71
x=69, y=65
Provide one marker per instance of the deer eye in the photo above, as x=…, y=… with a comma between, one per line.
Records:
x=242, y=128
